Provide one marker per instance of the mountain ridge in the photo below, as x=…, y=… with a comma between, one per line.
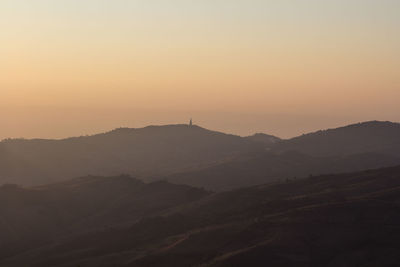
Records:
x=353, y=138
x=329, y=220
x=161, y=152
x=140, y=152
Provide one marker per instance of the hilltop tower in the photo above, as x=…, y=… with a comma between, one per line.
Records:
x=190, y=122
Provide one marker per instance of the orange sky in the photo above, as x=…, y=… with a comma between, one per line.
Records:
x=76, y=67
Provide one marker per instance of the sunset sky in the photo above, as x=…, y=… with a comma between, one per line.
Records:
x=74, y=67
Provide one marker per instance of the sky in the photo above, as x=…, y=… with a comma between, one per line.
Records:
x=73, y=67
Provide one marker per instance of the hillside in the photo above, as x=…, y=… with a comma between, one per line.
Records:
x=37, y=215
x=145, y=152
x=355, y=147
x=265, y=167
x=334, y=220
x=373, y=136
x=265, y=139
x=199, y=157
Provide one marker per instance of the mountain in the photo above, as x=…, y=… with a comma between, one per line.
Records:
x=355, y=147
x=145, y=152
x=349, y=219
x=266, y=139
x=44, y=214
x=374, y=136
x=264, y=167
x=199, y=157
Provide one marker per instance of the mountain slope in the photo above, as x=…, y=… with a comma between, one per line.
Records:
x=374, y=136
x=266, y=139
x=37, y=215
x=199, y=157
x=266, y=167
x=335, y=220
x=149, y=151
x=355, y=147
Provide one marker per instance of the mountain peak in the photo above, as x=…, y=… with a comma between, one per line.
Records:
x=263, y=138
x=157, y=128
x=364, y=137
x=142, y=152
x=374, y=123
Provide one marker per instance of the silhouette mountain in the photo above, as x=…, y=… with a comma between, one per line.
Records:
x=266, y=139
x=264, y=167
x=349, y=219
x=373, y=136
x=145, y=152
x=199, y=157
x=36, y=215
x=355, y=147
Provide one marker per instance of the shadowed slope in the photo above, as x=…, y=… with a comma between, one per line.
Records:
x=336, y=220
x=352, y=148
x=38, y=215
x=199, y=157
x=374, y=136
x=265, y=167
x=266, y=139
x=153, y=150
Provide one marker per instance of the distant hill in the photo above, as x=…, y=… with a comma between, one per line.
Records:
x=266, y=139
x=145, y=152
x=355, y=147
x=350, y=219
x=199, y=157
x=265, y=167
x=374, y=136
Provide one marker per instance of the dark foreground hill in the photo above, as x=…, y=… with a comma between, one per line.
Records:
x=39, y=215
x=334, y=220
x=145, y=152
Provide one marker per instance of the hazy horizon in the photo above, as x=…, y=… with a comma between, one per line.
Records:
x=285, y=68
x=68, y=122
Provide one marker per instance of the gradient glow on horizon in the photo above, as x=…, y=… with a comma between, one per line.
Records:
x=70, y=67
